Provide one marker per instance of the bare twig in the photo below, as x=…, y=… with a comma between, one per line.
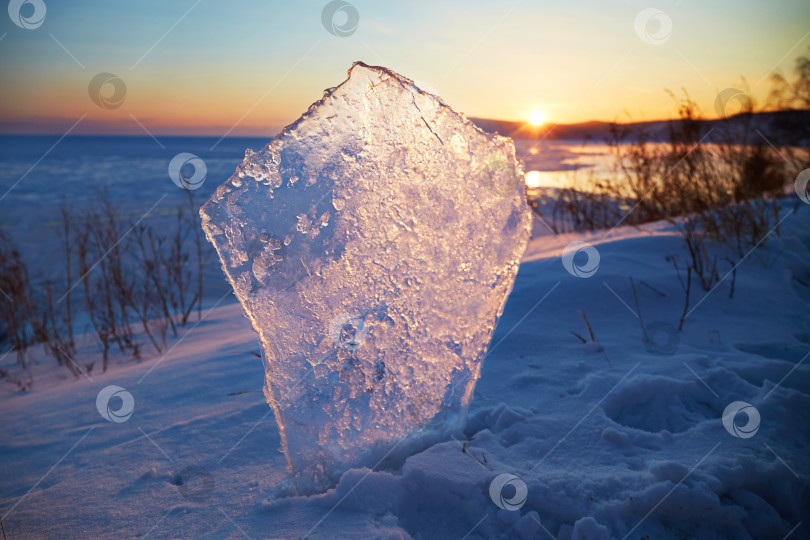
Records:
x=638, y=310
x=686, y=301
x=659, y=293
x=593, y=336
x=733, y=276
x=587, y=323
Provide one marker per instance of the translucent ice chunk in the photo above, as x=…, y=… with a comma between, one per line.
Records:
x=372, y=245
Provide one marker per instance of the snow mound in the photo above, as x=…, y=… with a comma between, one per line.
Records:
x=372, y=245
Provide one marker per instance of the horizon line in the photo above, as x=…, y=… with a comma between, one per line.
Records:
x=107, y=129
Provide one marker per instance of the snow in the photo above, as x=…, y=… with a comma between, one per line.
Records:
x=610, y=442
x=372, y=245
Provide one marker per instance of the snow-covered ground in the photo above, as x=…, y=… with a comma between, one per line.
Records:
x=614, y=439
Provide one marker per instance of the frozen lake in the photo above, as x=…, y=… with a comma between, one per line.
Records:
x=38, y=173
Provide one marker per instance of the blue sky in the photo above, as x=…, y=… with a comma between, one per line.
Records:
x=251, y=67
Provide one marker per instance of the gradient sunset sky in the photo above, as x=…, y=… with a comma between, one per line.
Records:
x=208, y=67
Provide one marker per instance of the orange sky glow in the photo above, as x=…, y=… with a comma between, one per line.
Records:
x=216, y=70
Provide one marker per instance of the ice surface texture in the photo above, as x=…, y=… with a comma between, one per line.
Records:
x=372, y=245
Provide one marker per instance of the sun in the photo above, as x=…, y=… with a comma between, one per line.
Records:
x=537, y=118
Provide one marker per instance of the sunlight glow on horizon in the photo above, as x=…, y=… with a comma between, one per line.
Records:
x=533, y=179
x=537, y=118
x=217, y=71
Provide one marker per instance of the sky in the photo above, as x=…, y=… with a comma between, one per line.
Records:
x=208, y=67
